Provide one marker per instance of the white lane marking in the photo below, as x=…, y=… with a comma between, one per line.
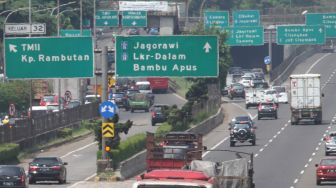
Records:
x=215, y=146
x=178, y=96
x=302, y=171
x=316, y=62
x=86, y=179
x=295, y=181
x=310, y=159
x=306, y=165
x=271, y=140
x=261, y=149
x=86, y=146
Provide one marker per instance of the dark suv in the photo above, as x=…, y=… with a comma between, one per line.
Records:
x=47, y=169
x=120, y=99
x=13, y=176
x=236, y=90
x=158, y=113
x=242, y=132
x=268, y=109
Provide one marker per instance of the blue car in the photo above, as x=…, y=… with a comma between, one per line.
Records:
x=154, y=31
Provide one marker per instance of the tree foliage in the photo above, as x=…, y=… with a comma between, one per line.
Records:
x=16, y=92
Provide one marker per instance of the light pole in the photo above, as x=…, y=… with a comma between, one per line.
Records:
x=58, y=5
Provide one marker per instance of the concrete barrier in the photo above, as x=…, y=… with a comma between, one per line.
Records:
x=137, y=164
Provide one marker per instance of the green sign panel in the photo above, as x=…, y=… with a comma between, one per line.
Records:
x=107, y=18
x=326, y=19
x=166, y=56
x=300, y=34
x=75, y=32
x=245, y=36
x=134, y=19
x=217, y=19
x=242, y=18
x=29, y=58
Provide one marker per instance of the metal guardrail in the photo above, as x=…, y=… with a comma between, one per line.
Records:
x=30, y=128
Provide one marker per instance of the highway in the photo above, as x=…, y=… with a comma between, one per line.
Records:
x=81, y=154
x=285, y=155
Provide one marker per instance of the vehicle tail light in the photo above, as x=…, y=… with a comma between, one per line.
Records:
x=56, y=168
x=274, y=106
x=22, y=179
x=327, y=138
x=33, y=168
x=259, y=107
x=153, y=114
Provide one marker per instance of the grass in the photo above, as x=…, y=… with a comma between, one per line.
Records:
x=183, y=86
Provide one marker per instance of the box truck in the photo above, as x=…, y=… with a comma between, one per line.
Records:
x=305, y=98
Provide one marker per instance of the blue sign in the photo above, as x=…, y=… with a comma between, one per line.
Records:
x=107, y=109
x=267, y=60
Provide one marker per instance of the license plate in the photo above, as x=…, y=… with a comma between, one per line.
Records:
x=45, y=169
x=8, y=183
x=332, y=170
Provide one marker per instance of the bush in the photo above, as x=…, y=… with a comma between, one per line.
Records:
x=128, y=148
x=9, y=152
x=163, y=129
x=63, y=133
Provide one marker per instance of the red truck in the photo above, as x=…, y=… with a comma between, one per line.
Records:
x=173, y=150
x=159, y=85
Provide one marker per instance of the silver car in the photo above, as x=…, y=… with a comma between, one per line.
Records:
x=330, y=143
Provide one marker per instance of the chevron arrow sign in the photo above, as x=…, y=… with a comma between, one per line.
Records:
x=108, y=130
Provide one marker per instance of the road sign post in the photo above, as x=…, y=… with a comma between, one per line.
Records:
x=166, y=56
x=326, y=19
x=217, y=19
x=243, y=18
x=107, y=18
x=134, y=19
x=28, y=58
x=300, y=34
x=245, y=36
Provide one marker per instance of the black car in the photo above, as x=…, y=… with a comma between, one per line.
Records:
x=267, y=109
x=236, y=90
x=157, y=113
x=13, y=176
x=47, y=169
x=242, y=132
x=120, y=99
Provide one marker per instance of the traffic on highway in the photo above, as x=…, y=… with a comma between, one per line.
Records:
x=143, y=95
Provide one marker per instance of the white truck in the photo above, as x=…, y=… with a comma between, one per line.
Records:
x=305, y=98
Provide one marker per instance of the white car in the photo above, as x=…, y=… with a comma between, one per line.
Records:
x=270, y=95
x=282, y=94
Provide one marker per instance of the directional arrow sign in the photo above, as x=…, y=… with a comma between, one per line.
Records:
x=108, y=130
x=217, y=19
x=164, y=56
x=108, y=18
x=134, y=19
x=245, y=36
x=68, y=57
x=107, y=109
x=326, y=19
x=300, y=34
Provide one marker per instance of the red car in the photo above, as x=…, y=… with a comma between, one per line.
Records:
x=326, y=170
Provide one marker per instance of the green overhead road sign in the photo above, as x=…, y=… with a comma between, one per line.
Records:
x=300, y=34
x=75, y=32
x=326, y=19
x=245, y=36
x=66, y=57
x=217, y=19
x=166, y=56
x=242, y=18
x=134, y=19
x=107, y=18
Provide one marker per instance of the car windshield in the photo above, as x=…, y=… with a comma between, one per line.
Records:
x=48, y=98
x=280, y=89
x=270, y=92
x=242, y=126
x=328, y=162
x=144, y=87
x=9, y=171
x=46, y=161
x=118, y=95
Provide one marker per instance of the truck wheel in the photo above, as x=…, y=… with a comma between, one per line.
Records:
x=246, y=106
x=253, y=142
x=232, y=144
x=326, y=154
x=132, y=110
x=276, y=116
x=259, y=117
x=153, y=123
x=147, y=110
x=318, y=182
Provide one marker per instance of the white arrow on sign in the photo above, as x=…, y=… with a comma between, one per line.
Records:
x=12, y=48
x=103, y=109
x=207, y=47
x=105, y=23
x=320, y=30
x=110, y=109
x=134, y=23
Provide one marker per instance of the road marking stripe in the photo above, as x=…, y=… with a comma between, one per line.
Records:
x=86, y=179
x=313, y=65
x=86, y=146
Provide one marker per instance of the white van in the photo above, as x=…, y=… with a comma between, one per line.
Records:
x=143, y=86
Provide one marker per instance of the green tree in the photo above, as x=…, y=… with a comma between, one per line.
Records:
x=16, y=92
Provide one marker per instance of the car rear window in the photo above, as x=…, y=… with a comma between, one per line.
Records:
x=48, y=98
x=118, y=95
x=328, y=162
x=268, y=105
x=280, y=89
x=270, y=92
x=10, y=171
x=45, y=160
x=242, y=118
x=242, y=126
